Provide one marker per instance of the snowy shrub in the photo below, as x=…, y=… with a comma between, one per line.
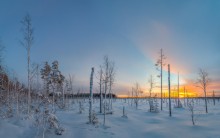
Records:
x=108, y=110
x=54, y=124
x=154, y=106
x=107, y=106
x=44, y=119
x=94, y=119
x=136, y=102
x=178, y=104
x=59, y=131
x=81, y=108
x=9, y=112
x=151, y=104
x=6, y=110
x=124, y=115
x=60, y=103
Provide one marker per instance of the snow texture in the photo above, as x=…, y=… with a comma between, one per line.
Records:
x=140, y=124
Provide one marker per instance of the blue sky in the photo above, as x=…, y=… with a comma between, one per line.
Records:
x=79, y=33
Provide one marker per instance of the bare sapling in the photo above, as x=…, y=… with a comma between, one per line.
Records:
x=27, y=42
x=191, y=107
x=203, y=82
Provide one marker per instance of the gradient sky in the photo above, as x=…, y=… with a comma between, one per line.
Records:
x=78, y=33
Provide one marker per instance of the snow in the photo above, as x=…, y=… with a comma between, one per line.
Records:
x=140, y=123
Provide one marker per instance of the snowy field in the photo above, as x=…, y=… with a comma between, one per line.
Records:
x=140, y=122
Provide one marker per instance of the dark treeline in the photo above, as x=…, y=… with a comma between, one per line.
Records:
x=85, y=95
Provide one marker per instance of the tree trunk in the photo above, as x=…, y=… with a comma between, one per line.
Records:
x=206, y=108
x=170, y=113
x=91, y=96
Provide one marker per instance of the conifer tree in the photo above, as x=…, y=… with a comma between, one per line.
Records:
x=45, y=73
x=56, y=77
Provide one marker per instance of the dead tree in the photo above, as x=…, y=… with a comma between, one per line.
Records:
x=91, y=96
x=170, y=113
x=100, y=82
x=203, y=82
x=213, y=96
x=27, y=42
x=159, y=65
x=152, y=85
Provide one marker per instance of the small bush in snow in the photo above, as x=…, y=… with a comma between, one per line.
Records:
x=124, y=113
x=54, y=123
x=81, y=108
x=154, y=106
x=45, y=119
x=94, y=119
x=178, y=104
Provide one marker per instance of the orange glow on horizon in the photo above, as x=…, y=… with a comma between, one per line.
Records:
x=189, y=84
x=190, y=91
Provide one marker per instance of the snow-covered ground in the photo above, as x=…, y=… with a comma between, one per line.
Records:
x=139, y=124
